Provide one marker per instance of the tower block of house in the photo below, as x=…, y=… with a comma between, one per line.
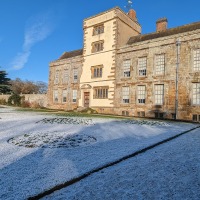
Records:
x=104, y=34
x=121, y=71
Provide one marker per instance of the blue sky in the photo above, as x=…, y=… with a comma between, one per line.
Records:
x=35, y=32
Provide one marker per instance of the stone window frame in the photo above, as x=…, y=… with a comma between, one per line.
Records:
x=100, y=92
x=125, y=94
x=195, y=117
x=159, y=94
x=74, y=95
x=159, y=115
x=196, y=60
x=75, y=75
x=97, y=46
x=55, y=96
x=98, y=29
x=56, y=77
x=159, y=64
x=64, y=96
x=126, y=68
x=65, y=75
x=142, y=66
x=141, y=113
x=196, y=94
x=141, y=94
x=125, y=113
x=97, y=71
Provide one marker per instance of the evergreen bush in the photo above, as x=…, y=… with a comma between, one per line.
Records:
x=14, y=100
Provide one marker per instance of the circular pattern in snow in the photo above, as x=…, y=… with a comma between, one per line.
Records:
x=67, y=120
x=146, y=122
x=52, y=140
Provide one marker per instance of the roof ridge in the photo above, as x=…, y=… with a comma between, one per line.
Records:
x=70, y=54
x=168, y=32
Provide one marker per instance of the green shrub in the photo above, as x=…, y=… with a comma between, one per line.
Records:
x=14, y=100
x=89, y=111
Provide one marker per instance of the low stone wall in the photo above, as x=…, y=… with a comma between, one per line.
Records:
x=40, y=99
x=4, y=97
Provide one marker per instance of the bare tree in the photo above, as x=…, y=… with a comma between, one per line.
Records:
x=28, y=87
x=42, y=86
x=16, y=85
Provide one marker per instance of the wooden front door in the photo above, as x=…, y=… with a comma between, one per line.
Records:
x=86, y=99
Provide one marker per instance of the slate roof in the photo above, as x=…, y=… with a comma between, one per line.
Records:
x=71, y=54
x=168, y=32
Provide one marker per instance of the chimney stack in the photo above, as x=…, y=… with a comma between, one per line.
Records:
x=132, y=14
x=161, y=25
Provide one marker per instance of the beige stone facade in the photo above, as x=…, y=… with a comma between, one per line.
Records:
x=64, y=81
x=120, y=71
x=105, y=28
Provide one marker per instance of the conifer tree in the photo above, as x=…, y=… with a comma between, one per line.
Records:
x=4, y=82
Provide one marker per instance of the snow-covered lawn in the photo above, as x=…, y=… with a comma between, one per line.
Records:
x=39, y=151
x=170, y=171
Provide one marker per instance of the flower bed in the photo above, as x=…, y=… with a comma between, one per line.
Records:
x=52, y=140
x=147, y=122
x=67, y=120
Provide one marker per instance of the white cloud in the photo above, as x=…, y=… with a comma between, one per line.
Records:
x=38, y=29
x=20, y=60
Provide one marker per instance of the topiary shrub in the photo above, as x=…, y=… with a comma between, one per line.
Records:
x=14, y=100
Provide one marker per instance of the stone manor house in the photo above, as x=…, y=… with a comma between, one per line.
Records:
x=121, y=71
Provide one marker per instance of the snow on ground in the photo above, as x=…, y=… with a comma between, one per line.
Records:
x=32, y=158
x=170, y=171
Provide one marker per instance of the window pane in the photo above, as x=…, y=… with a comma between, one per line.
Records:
x=55, y=95
x=159, y=64
x=56, y=79
x=65, y=76
x=196, y=93
x=64, y=96
x=141, y=93
x=125, y=94
x=100, y=72
x=159, y=94
x=98, y=30
x=126, y=68
x=142, y=66
x=75, y=75
x=74, y=95
x=197, y=60
x=194, y=118
x=97, y=46
x=101, y=93
x=97, y=71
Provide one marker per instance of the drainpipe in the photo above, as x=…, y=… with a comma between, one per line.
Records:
x=178, y=45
